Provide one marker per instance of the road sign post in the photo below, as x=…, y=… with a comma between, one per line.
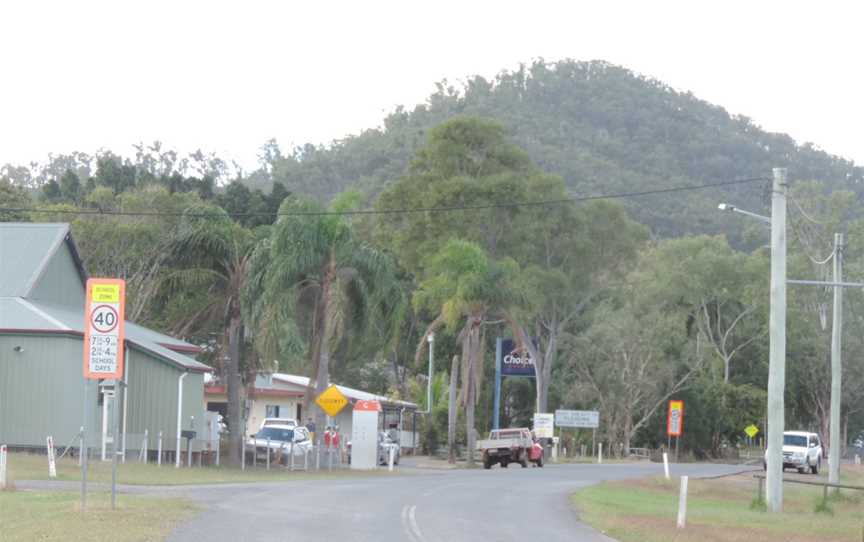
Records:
x=104, y=333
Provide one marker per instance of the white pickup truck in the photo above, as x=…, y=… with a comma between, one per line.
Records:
x=801, y=450
x=505, y=446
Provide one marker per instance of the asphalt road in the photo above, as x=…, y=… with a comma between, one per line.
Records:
x=500, y=505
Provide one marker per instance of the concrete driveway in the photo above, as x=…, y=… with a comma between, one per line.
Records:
x=500, y=505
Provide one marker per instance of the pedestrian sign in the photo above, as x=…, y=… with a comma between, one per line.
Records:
x=331, y=401
x=104, y=319
x=751, y=430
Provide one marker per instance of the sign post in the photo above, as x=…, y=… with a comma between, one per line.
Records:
x=104, y=333
x=675, y=423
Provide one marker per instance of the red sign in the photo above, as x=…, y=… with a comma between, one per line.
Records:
x=372, y=406
x=104, y=330
x=675, y=420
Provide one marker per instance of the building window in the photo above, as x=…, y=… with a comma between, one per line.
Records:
x=272, y=411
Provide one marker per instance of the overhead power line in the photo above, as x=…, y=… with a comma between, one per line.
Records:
x=443, y=209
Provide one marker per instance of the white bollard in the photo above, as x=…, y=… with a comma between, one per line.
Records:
x=145, y=446
x=666, y=464
x=682, y=504
x=3, y=467
x=392, y=457
x=600, y=453
x=159, y=450
x=857, y=459
x=52, y=463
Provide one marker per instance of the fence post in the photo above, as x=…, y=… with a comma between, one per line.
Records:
x=159, y=450
x=80, y=446
x=600, y=453
x=682, y=504
x=52, y=464
x=218, y=449
x=189, y=453
x=759, y=495
x=268, y=453
x=3, y=466
x=142, y=456
x=291, y=454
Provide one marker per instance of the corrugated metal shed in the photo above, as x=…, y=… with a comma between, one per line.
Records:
x=42, y=287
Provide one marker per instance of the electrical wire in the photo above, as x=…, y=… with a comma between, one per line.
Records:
x=576, y=199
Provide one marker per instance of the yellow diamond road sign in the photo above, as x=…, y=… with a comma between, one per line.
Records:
x=331, y=401
x=751, y=430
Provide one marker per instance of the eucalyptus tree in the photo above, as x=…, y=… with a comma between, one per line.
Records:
x=313, y=281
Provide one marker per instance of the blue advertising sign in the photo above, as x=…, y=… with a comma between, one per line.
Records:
x=513, y=362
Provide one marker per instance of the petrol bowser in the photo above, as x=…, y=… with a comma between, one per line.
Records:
x=364, y=435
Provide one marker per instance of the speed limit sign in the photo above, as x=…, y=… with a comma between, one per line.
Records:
x=104, y=332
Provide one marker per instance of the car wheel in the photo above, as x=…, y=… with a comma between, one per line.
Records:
x=815, y=468
x=487, y=463
x=524, y=462
x=504, y=464
x=764, y=465
x=802, y=470
x=540, y=462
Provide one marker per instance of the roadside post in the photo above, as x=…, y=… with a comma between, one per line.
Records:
x=666, y=464
x=600, y=454
x=159, y=450
x=682, y=504
x=104, y=336
x=3, y=466
x=268, y=453
x=52, y=465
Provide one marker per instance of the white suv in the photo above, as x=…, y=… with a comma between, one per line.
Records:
x=802, y=451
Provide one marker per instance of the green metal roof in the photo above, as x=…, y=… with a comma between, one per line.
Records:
x=25, y=250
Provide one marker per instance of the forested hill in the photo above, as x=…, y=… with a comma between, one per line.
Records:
x=601, y=127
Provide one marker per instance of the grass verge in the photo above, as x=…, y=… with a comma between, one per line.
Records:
x=721, y=510
x=55, y=515
x=24, y=466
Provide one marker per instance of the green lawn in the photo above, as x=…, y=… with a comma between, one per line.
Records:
x=719, y=510
x=47, y=516
x=35, y=467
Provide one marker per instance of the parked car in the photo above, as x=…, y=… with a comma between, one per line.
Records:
x=801, y=450
x=278, y=421
x=280, y=438
x=505, y=446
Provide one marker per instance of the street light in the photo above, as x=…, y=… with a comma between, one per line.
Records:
x=733, y=209
x=777, y=330
x=431, y=339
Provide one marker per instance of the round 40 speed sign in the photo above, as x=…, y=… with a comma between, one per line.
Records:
x=104, y=332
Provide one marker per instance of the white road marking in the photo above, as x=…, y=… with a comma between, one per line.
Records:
x=412, y=518
x=405, y=525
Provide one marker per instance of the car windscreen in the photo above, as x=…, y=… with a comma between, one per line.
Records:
x=794, y=440
x=275, y=433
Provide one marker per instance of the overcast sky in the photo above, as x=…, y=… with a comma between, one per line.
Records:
x=227, y=76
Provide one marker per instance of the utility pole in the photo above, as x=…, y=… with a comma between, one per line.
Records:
x=836, y=364
x=777, y=356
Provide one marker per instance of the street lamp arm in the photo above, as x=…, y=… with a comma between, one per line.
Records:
x=733, y=209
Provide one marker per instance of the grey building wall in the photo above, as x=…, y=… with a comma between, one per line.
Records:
x=41, y=393
x=41, y=390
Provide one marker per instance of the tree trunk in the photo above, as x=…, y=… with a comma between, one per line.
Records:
x=451, y=410
x=322, y=378
x=234, y=384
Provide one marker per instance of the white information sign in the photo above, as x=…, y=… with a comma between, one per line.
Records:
x=544, y=425
x=577, y=418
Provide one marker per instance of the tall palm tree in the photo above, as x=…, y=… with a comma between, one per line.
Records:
x=465, y=288
x=211, y=257
x=313, y=280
